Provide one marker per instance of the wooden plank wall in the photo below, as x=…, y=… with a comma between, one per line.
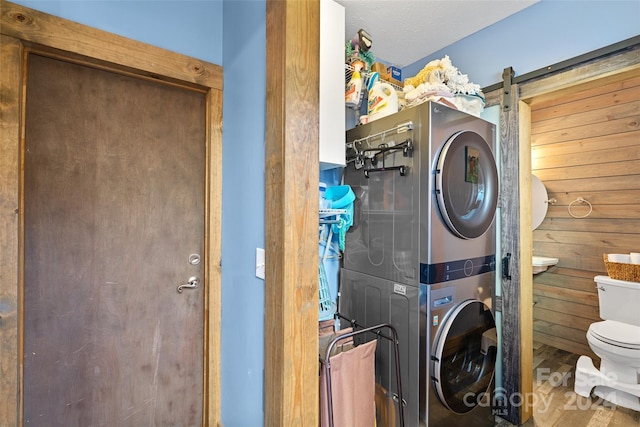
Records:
x=585, y=143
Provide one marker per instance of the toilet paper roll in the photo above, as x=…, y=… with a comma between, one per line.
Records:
x=635, y=257
x=622, y=258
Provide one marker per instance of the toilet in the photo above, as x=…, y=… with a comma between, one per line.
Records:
x=616, y=340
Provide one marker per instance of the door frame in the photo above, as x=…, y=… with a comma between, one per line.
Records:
x=25, y=30
x=516, y=303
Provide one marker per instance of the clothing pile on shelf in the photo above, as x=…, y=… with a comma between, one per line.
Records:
x=441, y=81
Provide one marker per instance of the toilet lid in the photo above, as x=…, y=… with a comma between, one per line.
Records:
x=616, y=333
x=539, y=202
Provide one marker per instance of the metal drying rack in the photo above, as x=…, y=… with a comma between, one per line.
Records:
x=361, y=149
x=325, y=360
x=330, y=216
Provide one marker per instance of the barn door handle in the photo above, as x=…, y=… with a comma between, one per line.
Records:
x=506, y=264
x=191, y=284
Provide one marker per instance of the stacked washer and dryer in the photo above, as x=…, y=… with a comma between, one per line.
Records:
x=421, y=256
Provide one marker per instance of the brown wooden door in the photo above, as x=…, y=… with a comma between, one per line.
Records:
x=114, y=196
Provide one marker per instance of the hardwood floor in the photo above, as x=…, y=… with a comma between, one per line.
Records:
x=557, y=405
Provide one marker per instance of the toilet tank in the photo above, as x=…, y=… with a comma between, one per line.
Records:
x=619, y=300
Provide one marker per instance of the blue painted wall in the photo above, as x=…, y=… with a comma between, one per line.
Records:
x=190, y=27
x=244, y=60
x=232, y=33
x=545, y=33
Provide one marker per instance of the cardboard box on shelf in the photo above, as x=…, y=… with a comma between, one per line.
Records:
x=394, y=73
x=380, y=68
x=385, y=73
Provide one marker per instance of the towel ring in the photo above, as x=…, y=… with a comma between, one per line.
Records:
x=580, y=200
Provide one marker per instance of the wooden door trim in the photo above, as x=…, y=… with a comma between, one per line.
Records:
x=32, y=26
x=614, y=67
x=23, y=30
x=291, y=213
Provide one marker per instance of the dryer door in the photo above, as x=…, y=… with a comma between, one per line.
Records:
x=464, y=357
x=467, y=184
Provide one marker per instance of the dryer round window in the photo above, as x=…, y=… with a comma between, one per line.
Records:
x=464, y=357
x=467, y=184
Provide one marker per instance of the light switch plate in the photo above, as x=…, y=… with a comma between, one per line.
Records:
x=260, y=263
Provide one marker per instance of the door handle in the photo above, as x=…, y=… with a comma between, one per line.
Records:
x=191, y=284
x=506, y=264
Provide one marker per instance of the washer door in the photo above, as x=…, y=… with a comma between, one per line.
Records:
x=467, y=184
x=464, y=357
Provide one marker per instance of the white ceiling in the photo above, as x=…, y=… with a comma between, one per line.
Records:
x=405, y=31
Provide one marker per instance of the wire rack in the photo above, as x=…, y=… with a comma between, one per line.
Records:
x=348, y=72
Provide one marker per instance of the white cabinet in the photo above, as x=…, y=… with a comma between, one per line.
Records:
x=332, y=110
